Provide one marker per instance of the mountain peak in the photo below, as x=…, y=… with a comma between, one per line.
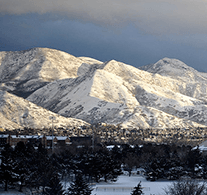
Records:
x=173, y=64
x=175, y=69
x=22, y=72
x=166, y=94
x=167, y=65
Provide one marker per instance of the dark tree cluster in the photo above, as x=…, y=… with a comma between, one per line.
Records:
x=36, y=170
x=163, y=161
x=23, y=166
x=94, y=165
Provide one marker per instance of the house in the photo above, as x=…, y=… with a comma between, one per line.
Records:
x=57, y=140
x=202, y=147
x=14, y=139
x=3, y=139
x=45, y=140
x=81, y=140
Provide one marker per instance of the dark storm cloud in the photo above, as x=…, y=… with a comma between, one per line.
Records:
x=136, y=32
x=151, y=16
x=129, y=45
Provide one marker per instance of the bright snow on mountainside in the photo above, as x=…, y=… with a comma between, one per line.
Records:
x=167, y=94
x=17, y=112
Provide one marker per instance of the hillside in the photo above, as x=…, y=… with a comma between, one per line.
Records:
x=16, y=112
x=23, y=72
x=117, y=93
x=167, y=94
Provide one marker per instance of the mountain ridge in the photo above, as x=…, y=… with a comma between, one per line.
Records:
x=122, y=95
x=18, y=113
x=167, y=94
x=175, y=68
x=45, y=64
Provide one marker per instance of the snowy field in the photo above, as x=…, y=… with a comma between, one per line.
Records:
x=123, y=186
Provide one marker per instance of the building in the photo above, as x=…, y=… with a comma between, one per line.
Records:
x=3, y=139
x=202, y=147
x=45, y=140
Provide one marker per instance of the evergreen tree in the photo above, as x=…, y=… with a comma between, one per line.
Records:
x=79, y=187
x=108, y=167
x=54, y=187
x=111, y=169
x=21, y=168
x=44, y=172
x=95, y=163
x=193, y=159
x=41, y=170
x=7, y=165
x=137, y=190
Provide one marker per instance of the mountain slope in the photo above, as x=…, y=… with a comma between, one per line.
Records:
x=17, y=112
x=166, y=94
x=22, y=72
x=117, y=93
x=194, y=82
x=175, y=69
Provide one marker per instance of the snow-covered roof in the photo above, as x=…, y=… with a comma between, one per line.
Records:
x=110, y=147
x=4, y=136
x=202, y=146
x=26, y=136
x=57, y=137
x=33, y=137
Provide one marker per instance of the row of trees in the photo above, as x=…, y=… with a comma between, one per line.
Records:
x=163, y=161
x=36, y=170
x=174, y=163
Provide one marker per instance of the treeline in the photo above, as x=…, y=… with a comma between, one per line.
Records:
x=175, y=162
x=164, y=161
x=36, y=169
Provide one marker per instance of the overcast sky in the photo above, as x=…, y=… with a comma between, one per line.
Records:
x=136, y=32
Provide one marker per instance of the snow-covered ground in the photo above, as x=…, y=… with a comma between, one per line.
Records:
x=125, y=185
x=10, y=192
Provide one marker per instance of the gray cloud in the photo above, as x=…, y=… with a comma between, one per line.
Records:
x=151, y=16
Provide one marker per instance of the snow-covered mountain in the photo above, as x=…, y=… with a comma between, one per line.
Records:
x=16, y=112
x=167, y=94
x=23, y=72
x=193, y=82
x=117, y=93
x=175, y=69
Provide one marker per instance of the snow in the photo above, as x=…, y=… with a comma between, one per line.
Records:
x=167, y=94
x=14, y=108
x=11, y=192
x=110, y=147
x=57, y=137
x=90, y=60
x=137, y=98
x=125, y=185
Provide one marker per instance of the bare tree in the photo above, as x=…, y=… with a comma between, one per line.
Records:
x=186, y=187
